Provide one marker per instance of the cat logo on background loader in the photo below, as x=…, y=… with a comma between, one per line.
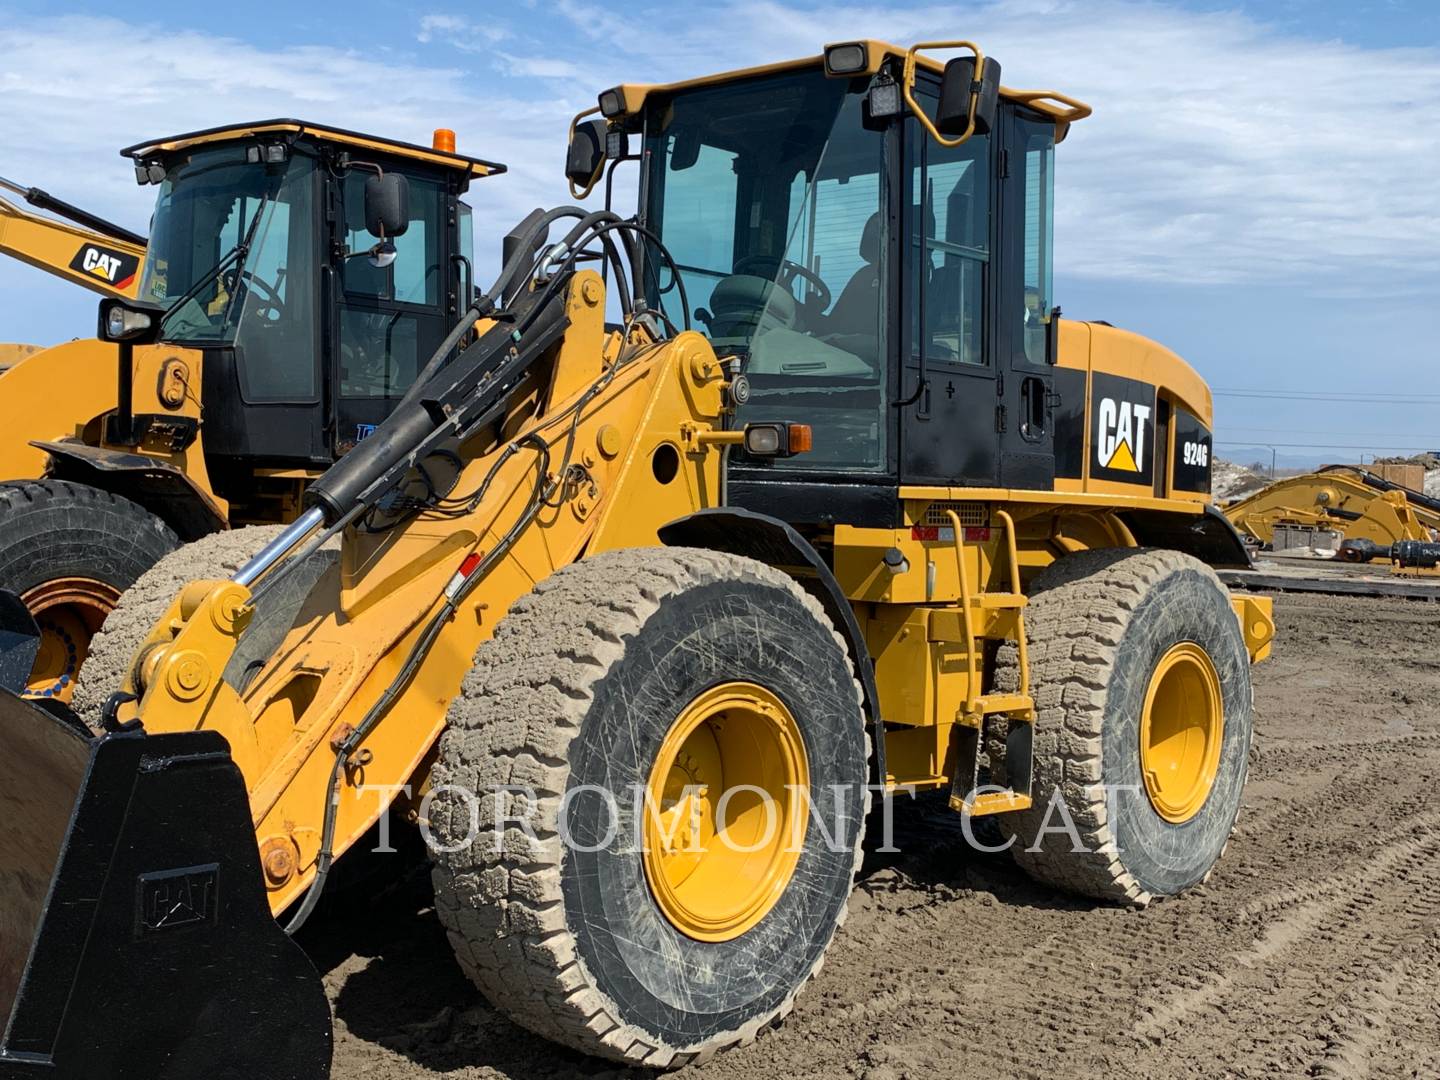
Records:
x=1123, y=412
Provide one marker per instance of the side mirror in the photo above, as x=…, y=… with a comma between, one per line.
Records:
x=686, y=151
x=960, y=92
x=585, y=156
x=387, y=205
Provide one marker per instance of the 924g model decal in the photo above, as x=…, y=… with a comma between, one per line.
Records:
x=1193, y=451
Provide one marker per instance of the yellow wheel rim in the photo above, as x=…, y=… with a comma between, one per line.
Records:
x=726, y=812
x=68, y=612
x=1181, y=730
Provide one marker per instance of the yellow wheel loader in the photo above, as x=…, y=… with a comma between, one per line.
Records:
x=303, y=272
x=633, y=619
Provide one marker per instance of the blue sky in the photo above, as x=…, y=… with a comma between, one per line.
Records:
x=1257, y=189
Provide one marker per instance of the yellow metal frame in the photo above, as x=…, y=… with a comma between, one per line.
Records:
x=323, y=679
x=474, y=166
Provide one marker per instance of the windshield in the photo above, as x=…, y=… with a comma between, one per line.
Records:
x=208, y=206
x=768, y=194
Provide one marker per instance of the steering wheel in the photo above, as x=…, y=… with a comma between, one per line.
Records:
x=271, y=308
x=817, y=293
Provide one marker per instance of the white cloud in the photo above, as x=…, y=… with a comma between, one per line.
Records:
x=65, y=123
x=460, y=32
x=1221, y=150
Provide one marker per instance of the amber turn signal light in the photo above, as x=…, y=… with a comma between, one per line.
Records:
x=777, y=440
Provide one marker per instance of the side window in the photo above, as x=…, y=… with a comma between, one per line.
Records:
x=701, y=192
x=950, y=247
x=415, y=277
x=275, y=336
x=379, y=352
x=842, y=209
x=467, y=250
x=1039, y=143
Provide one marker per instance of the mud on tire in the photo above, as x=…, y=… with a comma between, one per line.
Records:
x=1097, y=625
x=578, y=688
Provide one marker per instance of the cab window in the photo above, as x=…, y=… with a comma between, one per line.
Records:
x=950, y=247
x=768, y=195
x=415, y=275
x=391, y=316
x=1038, y=139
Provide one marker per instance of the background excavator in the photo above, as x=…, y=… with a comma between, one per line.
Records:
x=84, y=249
x=1358, y=514
x=633, y=619
x=292, y=326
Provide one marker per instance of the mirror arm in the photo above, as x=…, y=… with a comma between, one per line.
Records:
x=576, y=192
x=907, y=88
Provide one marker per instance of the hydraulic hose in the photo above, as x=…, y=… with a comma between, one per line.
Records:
x=418, y=651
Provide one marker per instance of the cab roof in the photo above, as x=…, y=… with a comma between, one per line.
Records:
x=474, y=167
x=1061, y=108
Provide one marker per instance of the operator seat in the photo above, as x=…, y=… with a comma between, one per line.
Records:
x=856, y=310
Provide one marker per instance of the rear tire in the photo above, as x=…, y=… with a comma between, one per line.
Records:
x=69, y=551
x=1102, y=627
x=577, y=696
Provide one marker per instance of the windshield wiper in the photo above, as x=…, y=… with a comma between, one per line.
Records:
x=235, y=256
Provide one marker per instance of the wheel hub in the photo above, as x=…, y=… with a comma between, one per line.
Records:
x=1181, y=730
x=727, y=808
x=68, y=611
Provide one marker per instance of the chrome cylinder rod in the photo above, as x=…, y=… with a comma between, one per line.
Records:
x=281, y=546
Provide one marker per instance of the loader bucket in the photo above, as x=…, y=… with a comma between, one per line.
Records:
x=19, y=642
x=135, y=938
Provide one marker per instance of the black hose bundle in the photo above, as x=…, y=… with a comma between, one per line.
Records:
x=454, y=396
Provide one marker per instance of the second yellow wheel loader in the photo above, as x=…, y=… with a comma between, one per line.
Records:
x=304, y=272
x=633, y=620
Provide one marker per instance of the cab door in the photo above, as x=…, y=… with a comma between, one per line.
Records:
x=389, y=318
x=1025, y=420
x=950, y=384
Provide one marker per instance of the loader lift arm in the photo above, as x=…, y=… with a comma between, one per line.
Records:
x=103, y=889
x=86, y=250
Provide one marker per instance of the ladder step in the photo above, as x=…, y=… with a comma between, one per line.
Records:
x=994, y=601
x=991, y=802
x=1019, y=706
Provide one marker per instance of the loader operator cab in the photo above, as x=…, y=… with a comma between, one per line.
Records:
x=312, y=313
x=892, y=291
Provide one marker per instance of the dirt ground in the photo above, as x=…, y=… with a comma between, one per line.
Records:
x=1314, y=950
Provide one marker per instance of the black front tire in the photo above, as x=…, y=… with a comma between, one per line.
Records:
x=575, y=693
x=1097, y=625
x=53, y=530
